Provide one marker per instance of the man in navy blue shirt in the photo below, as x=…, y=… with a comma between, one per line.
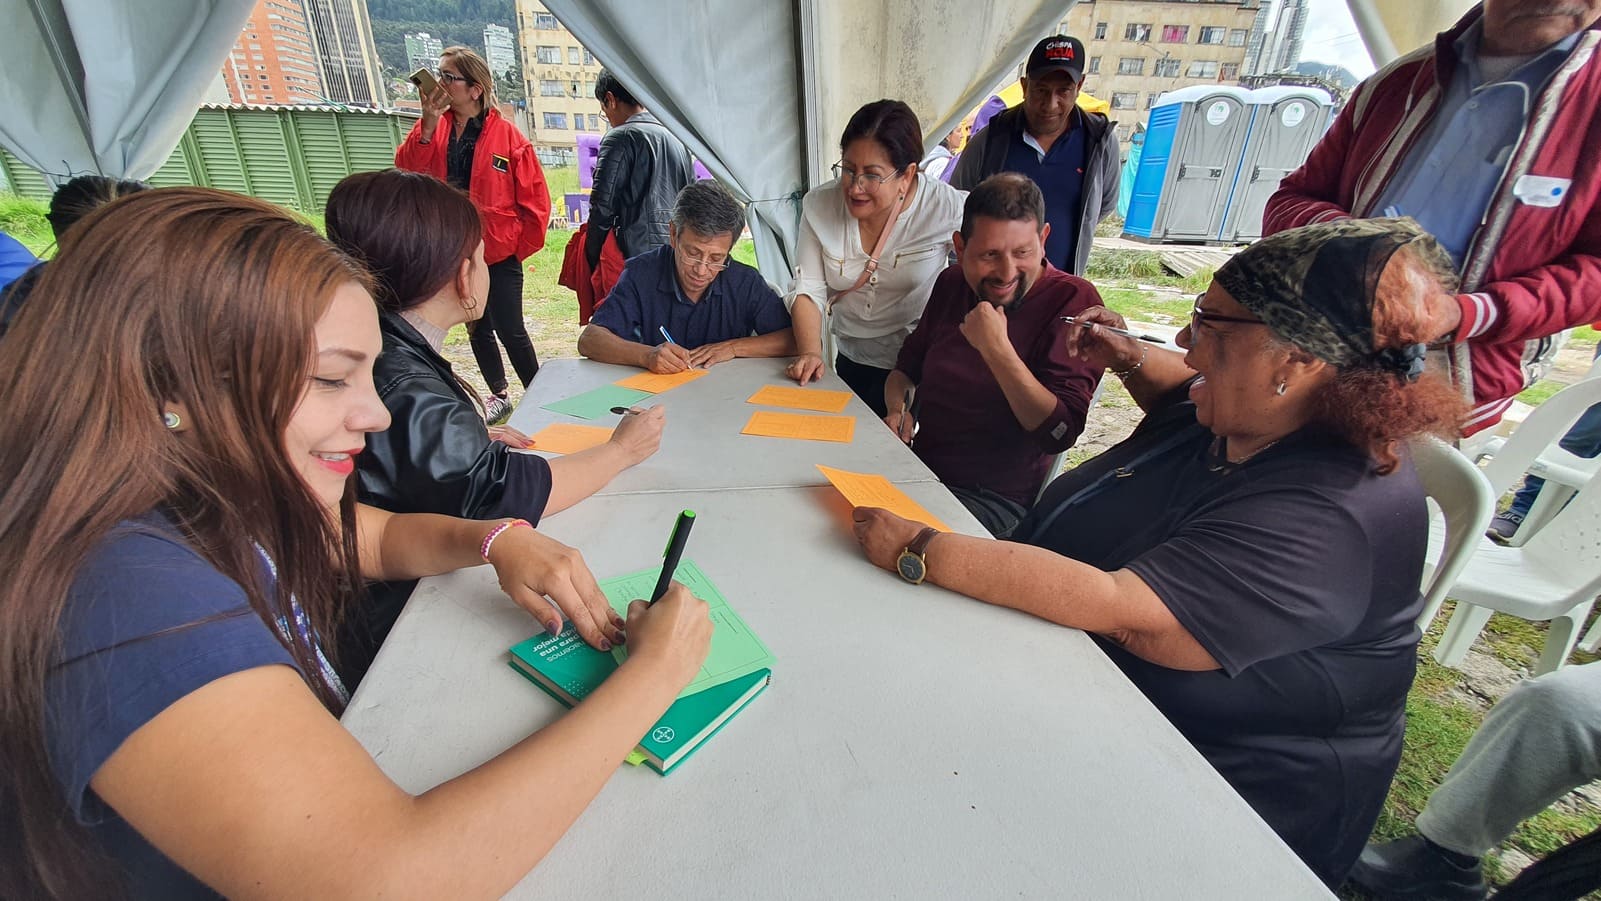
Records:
x=688, y=304
x=1071, y=154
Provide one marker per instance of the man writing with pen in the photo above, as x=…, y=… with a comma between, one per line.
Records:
x=689, y=304
x=995, y=394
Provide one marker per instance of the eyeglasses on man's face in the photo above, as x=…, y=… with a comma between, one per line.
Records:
x=870, y=181
x=1198, y=316
x=709, y=263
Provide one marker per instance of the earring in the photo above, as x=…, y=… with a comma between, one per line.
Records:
x=1280, y=389
x=171, y=420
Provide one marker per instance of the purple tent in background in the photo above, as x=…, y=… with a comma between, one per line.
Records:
x=589, y=153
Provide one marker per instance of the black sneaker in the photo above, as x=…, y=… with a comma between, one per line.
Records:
x=1504, y=526
x=497, y=409
x=1414, y=868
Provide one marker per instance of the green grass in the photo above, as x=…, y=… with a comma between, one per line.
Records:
x=1146, y=306
x=24, y=220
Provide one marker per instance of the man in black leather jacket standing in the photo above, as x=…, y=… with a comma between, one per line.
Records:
x=641, y=169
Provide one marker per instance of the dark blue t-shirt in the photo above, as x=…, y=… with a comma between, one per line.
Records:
x=1298, y=572
x=1061, y=179
x=737, y=304
x=147, y=621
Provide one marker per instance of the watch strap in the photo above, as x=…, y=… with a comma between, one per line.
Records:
x=919, y=545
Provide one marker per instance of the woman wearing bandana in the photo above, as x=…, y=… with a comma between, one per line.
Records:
x=1250, y=557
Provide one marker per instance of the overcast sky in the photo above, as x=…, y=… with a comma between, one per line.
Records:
x=1331, y=37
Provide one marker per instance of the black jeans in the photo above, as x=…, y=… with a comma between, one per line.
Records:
x=866, y=381
x=503, y=315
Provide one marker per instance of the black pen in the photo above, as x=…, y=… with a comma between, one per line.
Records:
x=621, y=411
x=673, y=553
x=1116, y=331
x=916, y=405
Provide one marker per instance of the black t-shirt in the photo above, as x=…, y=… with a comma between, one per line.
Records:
x=1298, y=570
x=459, y=154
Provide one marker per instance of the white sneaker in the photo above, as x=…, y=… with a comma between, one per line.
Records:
x=497, y=409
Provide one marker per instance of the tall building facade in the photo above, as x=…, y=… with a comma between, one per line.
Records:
x=422, y=51
x=274, y=60
x=559, y=78
x=1291, y=28
x=500, y=50
x=1139, y=49
x=341, y=31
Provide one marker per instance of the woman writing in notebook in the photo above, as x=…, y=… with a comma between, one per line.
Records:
x=872, y=242
x=176, y=553
x=421, y=240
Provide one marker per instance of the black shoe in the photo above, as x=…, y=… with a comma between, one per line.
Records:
x=1414, y=868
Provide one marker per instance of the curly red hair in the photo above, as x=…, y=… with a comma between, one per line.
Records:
x=1375, y=409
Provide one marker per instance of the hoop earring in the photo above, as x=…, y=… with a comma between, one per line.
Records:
x=171, y=420
x=1280, y=389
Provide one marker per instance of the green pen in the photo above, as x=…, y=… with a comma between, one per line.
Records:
x=673, y=553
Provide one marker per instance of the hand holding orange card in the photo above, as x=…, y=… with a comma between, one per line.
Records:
x=801, y=426
x=656, y=382
x=801, y=398
x=864, y=490
x=568, y=438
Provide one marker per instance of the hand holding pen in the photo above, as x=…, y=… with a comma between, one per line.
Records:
x=1101, y=339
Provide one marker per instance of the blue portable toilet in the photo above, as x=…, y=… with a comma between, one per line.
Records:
x=1286, y=123
x=1194, y=138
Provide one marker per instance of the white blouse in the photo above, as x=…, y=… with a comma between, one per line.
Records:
x=870, y=323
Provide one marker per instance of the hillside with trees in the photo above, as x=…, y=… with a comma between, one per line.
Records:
x=451, y=21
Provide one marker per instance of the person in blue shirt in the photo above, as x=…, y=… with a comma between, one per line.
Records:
x=15, y=259
x=178, y=552
x=689, y=304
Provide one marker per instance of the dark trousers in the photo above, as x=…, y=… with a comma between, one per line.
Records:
x=866, y=381
x=503, y=316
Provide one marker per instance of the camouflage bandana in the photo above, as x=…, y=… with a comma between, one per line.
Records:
x=1315, y=286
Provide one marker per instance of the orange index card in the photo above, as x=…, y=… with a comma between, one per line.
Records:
x=656, y=383
x=864, y=490
x=568, y=438
x=801, y=398
x=801, y=426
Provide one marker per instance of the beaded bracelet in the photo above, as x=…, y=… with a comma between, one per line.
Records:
x=1123, y=376
x=483, y=549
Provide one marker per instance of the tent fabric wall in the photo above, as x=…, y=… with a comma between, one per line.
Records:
x=108, y=87
x=1394, y=28
x=761, y=91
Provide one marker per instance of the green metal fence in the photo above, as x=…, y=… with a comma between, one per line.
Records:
x=292, y=156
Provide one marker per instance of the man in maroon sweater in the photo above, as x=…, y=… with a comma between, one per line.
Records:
x=996, y=395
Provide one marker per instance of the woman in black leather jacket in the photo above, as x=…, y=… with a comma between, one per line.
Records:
x=422, y=241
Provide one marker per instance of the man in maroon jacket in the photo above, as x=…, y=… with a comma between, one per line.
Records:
x=996, y=394
x=1484, y=138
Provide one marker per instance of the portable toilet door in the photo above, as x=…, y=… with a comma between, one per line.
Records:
x=1287, y=125
x=1206, y=155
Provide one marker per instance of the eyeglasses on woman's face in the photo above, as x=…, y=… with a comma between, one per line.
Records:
x=452, y=78
x=1198, y=316
x=870, y=181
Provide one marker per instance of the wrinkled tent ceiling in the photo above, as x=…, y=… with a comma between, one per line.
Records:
x=760, y=89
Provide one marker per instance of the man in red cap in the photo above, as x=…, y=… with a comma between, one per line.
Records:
x=1071, y=154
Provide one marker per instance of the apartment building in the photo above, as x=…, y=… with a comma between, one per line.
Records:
x=422, y=51
x=1138, y=49
x=274, y=60
x=559, y=78
x=500, y=49
x=341, y=32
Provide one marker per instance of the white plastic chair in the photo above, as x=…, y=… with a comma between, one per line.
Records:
x=1533, y=447
x=1553, y=577
x=1465, y=504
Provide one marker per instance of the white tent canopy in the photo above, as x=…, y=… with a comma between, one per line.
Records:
x=759, y=89
x=107, y=87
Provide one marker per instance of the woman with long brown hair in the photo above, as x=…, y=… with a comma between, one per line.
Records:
x=463, y=140
x=421, y=240
x=176, y=552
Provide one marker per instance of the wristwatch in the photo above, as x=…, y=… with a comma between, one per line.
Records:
x=912, y=564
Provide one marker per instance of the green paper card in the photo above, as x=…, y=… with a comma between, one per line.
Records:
x=735, y=651
x=597, y=403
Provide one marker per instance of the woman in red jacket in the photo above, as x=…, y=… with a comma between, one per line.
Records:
x=462, y=139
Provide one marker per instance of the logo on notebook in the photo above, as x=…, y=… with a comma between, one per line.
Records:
x=663, y=734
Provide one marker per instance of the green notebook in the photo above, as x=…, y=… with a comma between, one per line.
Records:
x=737, y=668
x=568, y=670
